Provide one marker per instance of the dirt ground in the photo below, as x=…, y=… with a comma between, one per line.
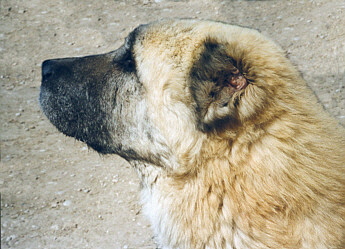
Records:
x=55, y=192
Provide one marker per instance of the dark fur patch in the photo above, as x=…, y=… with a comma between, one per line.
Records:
x=215, y=77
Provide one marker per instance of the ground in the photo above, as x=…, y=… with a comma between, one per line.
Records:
x=55, y=192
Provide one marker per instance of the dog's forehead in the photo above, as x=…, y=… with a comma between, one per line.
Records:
x=168, y=29
x=178, y=41
x=167, y=46
x=169, y=35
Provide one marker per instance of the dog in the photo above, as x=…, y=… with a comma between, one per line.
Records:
x=232, y=148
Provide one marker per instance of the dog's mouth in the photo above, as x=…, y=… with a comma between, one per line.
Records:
x=71, y=103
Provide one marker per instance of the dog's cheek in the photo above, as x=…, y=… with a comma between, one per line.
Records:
x=134, y=135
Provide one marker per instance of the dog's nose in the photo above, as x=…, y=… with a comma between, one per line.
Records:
x=54, y=69
x=48, y=68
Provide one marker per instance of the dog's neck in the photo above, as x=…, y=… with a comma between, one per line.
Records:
x=188, y=165
x=148, y=173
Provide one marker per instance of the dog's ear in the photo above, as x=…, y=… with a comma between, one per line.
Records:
x=217, y=85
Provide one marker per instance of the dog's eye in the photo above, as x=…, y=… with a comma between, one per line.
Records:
x=123, y=59
x=128, y=65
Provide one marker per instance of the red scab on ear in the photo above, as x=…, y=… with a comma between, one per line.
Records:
x=238, y=81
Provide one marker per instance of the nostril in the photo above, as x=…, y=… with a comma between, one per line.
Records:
x=47, y=68
x=56, y=68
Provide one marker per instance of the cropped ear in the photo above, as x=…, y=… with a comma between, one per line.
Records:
x=217, y=83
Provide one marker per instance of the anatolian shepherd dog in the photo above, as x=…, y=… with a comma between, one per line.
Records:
x=232, y=148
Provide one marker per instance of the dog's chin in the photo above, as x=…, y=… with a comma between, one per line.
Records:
x=58, y=113
x=73, y=123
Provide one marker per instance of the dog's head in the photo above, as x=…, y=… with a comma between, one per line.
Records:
x=171, y=86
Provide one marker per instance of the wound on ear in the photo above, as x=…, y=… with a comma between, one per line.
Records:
x=238, y=81
x=214, y=65
x=215, y=77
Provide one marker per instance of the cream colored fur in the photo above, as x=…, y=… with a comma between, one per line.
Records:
x=277, y=180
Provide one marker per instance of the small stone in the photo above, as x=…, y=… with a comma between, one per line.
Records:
x=34, y=227
x=54, y=227
x=67, y=203
x=11, y=237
